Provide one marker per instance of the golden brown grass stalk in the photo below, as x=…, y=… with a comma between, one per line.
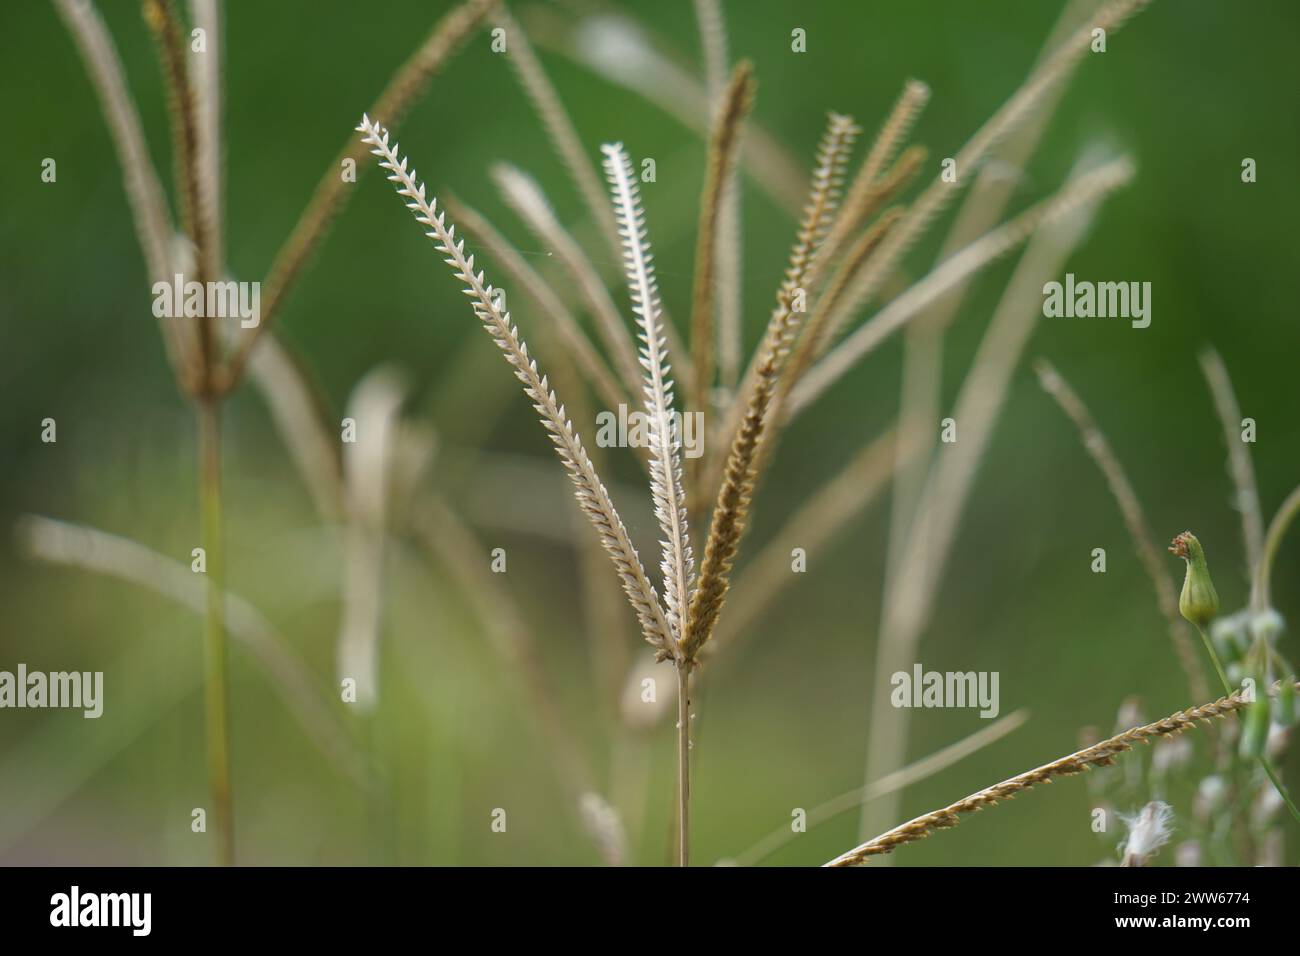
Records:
x=331, y=193
x=1144, y=542
x=860, y=195
x=731, y=509
x=730, y=248
x=590, y=492
x=144, y=193
x=736, y=102
x=1098, y=755
x=198, y=200
x=1039, y=84
x=196, y=203
x=1081, y=191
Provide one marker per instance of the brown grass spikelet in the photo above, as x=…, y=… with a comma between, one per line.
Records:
x=724, y=141
x=739, y=474
x=1098, y=755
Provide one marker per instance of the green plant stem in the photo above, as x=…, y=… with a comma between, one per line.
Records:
x=683, y=764
x=1260, y=592
x=1263, y=760
x=215, y=682
x=1214, y=658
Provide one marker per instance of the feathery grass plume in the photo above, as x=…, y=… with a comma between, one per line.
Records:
x=205, y=75
x=196, y=203
x=1085, y=189
x=724, y=141
x=588, y=488
x=667, y=490
x=1099, y=755
x=730, y=248
x=860, y=252
x=914, y=772
x=144, y=193
x=526, y=198
x=404, y=87
x=777, y=411
x=851, y=263
x=733, y=499
x=859, y=196
x=557, y=123
x=591, y=362
x=1130, y=508
x=1239, y=464
x=1041, y=81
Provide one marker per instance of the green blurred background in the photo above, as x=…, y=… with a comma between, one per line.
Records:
x=1188, y=88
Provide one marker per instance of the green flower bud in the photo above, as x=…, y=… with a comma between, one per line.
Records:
x=1199, y=602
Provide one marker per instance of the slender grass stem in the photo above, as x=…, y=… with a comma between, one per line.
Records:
x=1218, y=665
x=1261, y=597
x=683, y=764
x=215, y=681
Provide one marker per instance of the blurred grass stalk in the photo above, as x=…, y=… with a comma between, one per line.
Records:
x=192, y=82
x=921, y=390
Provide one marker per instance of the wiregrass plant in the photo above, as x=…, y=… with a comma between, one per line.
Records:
x=827, y=280
x=847, y=250
x=209, y=362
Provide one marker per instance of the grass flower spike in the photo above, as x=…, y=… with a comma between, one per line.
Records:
x=666, y=485
x=592, y=497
